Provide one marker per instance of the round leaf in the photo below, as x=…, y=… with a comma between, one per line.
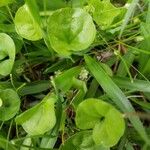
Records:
x=70, y=30
x=7, y=54
x=101, y=117
x=81, y=141
x=26, y=26
x=10, y=104
x=39, y=119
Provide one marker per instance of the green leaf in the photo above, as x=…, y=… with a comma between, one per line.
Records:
x=10, y=104
x=26, y=26
x=101, y=117
x=104, y=12
x=39, y=119
x=81, y=141
x=7, y=49
x=115, y=94
x=6, y=2
x=67, y=29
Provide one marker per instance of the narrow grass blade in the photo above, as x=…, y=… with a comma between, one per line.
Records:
x=128, y=15
x=114, y=92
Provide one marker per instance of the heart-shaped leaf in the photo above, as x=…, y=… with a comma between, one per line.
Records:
x=39, y=119
x=81, y=141
x=26, y=26
x=5, y=2
x=101, y=117
x=7, y=54
x=70, y=30
x=10, y=104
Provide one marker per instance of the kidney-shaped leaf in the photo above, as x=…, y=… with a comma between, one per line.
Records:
x=5, y=2
x=82, y=141
x=39, y=119
x=10, y=104
x=7, y=54
x=26, y=26
x=107, y=122
x=70, y=30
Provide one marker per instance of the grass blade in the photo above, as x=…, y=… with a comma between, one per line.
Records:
x=128, y=15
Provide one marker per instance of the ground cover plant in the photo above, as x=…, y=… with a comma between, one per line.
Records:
x=74, y=75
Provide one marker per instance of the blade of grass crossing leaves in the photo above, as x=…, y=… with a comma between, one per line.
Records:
x=35, y=13
x=128, y=15
x=34, y=10
x=50, y=142
x=114, y=92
